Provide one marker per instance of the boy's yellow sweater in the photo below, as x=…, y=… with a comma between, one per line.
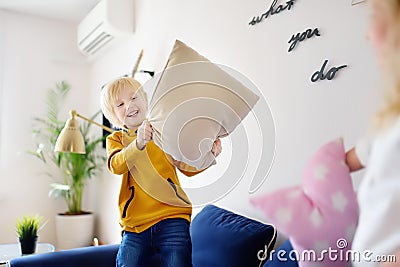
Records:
x=150, y=190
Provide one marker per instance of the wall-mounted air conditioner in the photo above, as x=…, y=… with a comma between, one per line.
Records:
x=108, y=20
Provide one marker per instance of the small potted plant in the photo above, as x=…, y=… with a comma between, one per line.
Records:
x=27, y=229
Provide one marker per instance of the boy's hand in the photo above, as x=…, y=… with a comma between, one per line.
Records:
x=216, y=148
x=144, y=134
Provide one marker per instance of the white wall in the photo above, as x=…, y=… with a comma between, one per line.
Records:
x=1, y=88
x=306, y=115
x=35, y=54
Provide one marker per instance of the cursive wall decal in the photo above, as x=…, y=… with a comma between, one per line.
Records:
x=319, y=75
x=299, y=37
x=272, y=11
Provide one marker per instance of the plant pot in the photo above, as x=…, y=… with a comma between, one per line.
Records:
x=28, y=246
x=74, y=231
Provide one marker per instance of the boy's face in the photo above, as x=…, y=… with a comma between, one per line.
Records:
x=131, y=108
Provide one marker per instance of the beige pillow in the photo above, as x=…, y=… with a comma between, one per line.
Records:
x=194, y=103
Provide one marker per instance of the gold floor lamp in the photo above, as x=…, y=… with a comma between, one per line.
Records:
x=70, y=139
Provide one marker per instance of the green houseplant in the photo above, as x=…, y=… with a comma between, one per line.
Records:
x=71, y=171
x=27, y=230
x=75, y=169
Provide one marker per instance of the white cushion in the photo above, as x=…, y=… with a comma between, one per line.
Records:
x=194, y=103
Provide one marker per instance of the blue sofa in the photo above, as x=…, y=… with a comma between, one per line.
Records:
x=100, y=256
x=219, y=237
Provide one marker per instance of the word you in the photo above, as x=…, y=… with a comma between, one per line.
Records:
x=319, y=75
x=300, y=37
x=272, y=11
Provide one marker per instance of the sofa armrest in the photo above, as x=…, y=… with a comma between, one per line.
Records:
x=99, y=256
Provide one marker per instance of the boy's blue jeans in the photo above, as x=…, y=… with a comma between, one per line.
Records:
x=165, y=244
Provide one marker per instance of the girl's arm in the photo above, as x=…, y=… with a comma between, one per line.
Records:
x=353, y=161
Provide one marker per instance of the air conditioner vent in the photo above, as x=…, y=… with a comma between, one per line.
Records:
x=106, y=21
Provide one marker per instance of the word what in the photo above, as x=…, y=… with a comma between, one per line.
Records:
x=300, y=37
x=319, y=75
x=272, y=11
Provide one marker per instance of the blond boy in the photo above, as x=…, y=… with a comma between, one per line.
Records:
x=152, y=225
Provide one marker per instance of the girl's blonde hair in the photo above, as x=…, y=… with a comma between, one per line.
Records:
x=109, y=97
x=390, y=111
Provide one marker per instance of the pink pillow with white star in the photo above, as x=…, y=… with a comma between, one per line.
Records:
x=322, y=213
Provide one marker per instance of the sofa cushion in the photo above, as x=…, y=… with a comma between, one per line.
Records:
x=194, y=103
x=99, y=256
x=223, y=238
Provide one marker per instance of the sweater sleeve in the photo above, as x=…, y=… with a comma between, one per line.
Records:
x=120, y=158
x=184, y=168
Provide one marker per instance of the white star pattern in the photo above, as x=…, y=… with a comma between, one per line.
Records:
x=339, y=201
x=316, y=218
x=284, y=216
x=320, y=172
x=305, y=191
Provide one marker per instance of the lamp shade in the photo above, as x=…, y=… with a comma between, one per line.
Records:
x=70, y=139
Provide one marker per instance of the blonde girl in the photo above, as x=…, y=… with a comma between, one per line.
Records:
x=378, y=232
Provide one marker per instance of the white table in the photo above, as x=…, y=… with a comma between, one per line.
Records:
x=11, y=251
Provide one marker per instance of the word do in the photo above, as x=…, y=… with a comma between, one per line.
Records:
x=319, y=75
x=272, y=11
x=299, y=37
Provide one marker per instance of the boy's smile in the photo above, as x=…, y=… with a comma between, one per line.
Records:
x=131, y=108
x=133, y=114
